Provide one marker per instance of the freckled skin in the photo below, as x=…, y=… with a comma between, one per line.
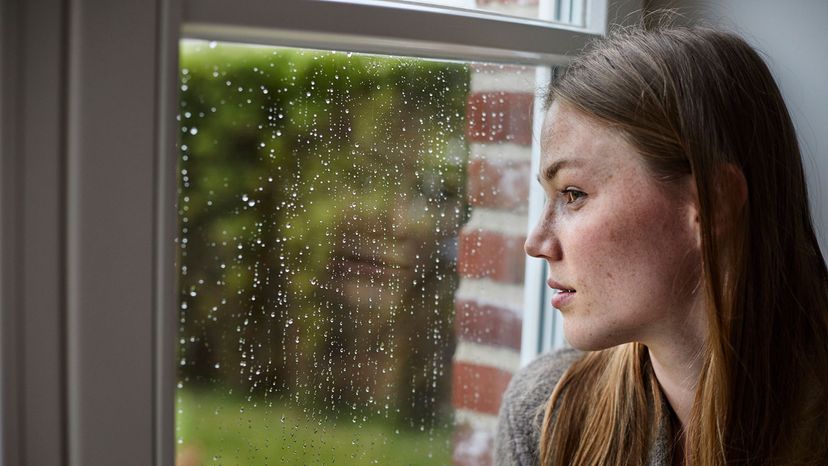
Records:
x=630, y=247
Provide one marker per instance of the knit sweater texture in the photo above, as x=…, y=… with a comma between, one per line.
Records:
x=519, y=423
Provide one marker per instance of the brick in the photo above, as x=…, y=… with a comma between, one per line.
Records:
x=499, y=117
x=472, y=446
x=477, y=387
x=487, y=324
x=503, y=78
x=487, y=254
x=498, y=183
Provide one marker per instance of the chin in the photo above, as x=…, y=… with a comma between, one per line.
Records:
x=589, y=340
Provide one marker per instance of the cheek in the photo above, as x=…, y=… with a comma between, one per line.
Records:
x=606, y=250
x=624, y=249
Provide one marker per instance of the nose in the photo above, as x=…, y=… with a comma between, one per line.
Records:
x=542, y=242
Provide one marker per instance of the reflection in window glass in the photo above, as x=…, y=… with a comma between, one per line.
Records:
x=321, y=197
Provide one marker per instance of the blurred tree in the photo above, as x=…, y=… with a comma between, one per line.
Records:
x=320, y=197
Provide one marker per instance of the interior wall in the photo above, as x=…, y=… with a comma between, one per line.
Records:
x=792, y=37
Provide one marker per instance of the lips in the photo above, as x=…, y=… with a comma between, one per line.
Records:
x=560, y=286
x=563, y=295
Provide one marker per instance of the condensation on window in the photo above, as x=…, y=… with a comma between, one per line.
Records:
x=322, y=198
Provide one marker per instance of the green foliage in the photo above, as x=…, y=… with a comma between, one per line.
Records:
x=221, y=430
x=320, y=198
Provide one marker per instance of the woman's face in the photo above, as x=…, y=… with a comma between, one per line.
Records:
x=628, y=246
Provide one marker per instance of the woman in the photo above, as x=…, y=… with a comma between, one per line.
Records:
x=684, y=262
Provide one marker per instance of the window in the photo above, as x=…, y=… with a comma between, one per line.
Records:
x=340, y=222
x=90, y=309
x=563, y=11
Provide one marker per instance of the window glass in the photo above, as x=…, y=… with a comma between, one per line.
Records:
x=340, y=301
x=561, y=11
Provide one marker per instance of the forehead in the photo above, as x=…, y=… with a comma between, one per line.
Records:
x=570, y=135
x=565, y=128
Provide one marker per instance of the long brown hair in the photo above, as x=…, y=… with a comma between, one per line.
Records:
x=693, y=101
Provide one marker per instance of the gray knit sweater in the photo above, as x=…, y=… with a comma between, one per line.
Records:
x=521, y=412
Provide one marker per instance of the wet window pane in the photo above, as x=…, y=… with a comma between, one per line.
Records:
x=339, y=300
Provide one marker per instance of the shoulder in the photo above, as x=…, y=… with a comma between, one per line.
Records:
x=521, y=410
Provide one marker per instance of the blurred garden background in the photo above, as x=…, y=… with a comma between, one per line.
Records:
x=320, y=198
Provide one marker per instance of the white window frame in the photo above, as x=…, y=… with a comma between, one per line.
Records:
x=88, y=95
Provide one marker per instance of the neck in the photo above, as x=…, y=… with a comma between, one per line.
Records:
x=677, y=372
x=677, y=360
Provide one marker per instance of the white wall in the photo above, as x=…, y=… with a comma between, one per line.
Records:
x=792, y=36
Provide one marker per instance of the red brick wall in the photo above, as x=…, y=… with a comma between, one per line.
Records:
x=491, y=261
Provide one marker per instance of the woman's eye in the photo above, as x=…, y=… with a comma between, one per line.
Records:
x=571, y=195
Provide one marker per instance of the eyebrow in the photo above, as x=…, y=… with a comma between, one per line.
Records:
x=552, y=170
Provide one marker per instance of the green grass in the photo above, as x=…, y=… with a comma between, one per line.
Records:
x=223, y=430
